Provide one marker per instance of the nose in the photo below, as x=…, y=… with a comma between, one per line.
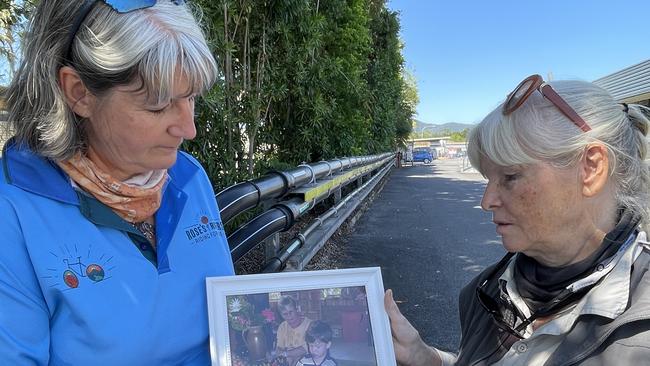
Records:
x=183, y=126
x=490, y=198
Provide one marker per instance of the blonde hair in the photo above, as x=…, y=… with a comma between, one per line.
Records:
x=287, y=302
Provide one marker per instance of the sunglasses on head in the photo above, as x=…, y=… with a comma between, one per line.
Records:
x=120, y=6
x=535, y=82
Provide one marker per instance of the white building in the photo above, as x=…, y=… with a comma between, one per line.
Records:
x=436, y=145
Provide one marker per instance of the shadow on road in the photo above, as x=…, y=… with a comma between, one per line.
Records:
x=428, y=233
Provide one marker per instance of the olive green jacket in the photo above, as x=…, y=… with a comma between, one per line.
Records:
x=593, y=340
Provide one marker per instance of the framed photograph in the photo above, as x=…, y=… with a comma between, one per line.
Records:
x=331, y=317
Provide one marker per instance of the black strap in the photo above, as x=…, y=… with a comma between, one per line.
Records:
x=83, y=12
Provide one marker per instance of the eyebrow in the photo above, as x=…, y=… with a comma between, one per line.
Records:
x=154, y=101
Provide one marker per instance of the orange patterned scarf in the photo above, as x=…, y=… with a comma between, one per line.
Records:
x=134, y=200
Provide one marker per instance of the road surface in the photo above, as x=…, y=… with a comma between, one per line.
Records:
x=427, y=232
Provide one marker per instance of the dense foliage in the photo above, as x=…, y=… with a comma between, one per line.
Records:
x=300, y=81
x=13, y=19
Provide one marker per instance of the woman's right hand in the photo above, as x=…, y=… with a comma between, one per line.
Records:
x=410, y=349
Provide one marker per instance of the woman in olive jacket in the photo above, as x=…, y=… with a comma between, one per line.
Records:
x=568, y=192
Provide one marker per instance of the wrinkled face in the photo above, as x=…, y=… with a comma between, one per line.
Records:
x=318, y=348
x=537, y=208
x=128, y=134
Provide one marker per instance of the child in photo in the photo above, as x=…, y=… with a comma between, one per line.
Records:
x=319, y=341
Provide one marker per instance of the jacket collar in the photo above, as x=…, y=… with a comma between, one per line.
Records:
x=594, y=330
x=608, y=299
x=33, y=173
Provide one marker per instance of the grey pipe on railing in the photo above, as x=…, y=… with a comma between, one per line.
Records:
x=247, y=195
x=278, y=262
x=278, y=218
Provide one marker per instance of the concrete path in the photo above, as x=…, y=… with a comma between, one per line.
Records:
x=428, y=234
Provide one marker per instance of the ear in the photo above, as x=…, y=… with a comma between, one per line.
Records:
x=77, y=96
x=594, y=169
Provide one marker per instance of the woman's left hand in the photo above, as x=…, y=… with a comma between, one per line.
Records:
x=410, y=349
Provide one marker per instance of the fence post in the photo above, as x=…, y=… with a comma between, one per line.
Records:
x=272, y=243
x=337, y=195
x=271, y=247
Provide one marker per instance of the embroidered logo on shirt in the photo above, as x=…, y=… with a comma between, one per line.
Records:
x=204, y=229
x=75, y=267
x=93, y=272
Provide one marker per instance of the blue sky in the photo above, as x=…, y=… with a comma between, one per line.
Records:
x=467, y=55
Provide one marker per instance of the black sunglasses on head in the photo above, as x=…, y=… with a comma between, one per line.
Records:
x=503, y=312
x=120, y=6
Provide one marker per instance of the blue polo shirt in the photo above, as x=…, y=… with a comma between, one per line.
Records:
x=81, y=286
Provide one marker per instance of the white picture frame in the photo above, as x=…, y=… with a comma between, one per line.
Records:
x=336, y=290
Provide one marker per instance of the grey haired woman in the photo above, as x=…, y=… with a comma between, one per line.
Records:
x=108, y=230
x=568, y=192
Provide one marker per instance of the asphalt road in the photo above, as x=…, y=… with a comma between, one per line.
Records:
x=427, y=232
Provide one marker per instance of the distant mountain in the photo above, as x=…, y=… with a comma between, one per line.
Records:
x=435, y=128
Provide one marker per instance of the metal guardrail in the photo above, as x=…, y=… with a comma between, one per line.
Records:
x=297, y=254
x=290, y=195
x=247, y=195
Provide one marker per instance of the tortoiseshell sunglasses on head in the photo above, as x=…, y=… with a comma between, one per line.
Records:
x=535, y=82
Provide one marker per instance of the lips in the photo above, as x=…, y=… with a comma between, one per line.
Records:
x=502, y=226
x=175, y=145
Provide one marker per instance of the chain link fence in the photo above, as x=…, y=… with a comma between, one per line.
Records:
x=5, y=132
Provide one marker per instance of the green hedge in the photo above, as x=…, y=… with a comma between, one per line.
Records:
x=301, y=81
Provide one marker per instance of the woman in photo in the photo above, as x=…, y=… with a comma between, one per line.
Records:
x=291, y=343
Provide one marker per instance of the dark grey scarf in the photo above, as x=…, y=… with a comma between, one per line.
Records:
x=543, y=288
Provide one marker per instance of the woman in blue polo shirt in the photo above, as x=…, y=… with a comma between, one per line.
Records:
x=108, y=230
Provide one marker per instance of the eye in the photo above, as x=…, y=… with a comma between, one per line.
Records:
x=158, y=110
x=510, y=177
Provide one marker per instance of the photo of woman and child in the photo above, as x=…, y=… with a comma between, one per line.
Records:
x=324, y=327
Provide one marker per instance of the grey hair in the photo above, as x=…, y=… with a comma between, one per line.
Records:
x=539, y=132
x=148, y=47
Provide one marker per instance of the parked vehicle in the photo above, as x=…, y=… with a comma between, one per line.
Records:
x=423, y=156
